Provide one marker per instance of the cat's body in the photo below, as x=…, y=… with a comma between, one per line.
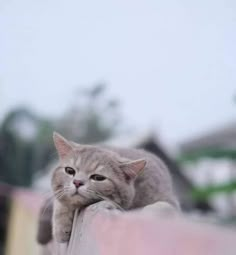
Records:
x=154, y=183
x=86, y=174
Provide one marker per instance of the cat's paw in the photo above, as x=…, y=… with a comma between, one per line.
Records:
x=110, y=205
x=62, y=235
x=162, y=209
x=107, y=205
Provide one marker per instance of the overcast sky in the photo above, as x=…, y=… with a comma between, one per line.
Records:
x=171, y=63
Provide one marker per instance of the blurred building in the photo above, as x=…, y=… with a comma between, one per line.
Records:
x=209, y=161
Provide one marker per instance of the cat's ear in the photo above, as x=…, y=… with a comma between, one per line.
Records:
x=133, y=168
x=62, y=145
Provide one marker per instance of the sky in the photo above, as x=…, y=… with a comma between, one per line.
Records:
x=172, y=64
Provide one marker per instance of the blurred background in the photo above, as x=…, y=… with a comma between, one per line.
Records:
x=159, y=75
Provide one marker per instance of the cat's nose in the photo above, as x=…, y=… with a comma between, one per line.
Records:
x=78, y=183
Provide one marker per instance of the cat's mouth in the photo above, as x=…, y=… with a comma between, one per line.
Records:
x=78, y=193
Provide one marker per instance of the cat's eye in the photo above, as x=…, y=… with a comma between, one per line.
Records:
x=70, y=170
x=97, y=177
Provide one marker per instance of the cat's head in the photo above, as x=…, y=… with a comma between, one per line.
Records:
x=87, y=174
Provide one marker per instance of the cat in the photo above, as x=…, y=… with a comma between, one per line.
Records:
x=86, y=174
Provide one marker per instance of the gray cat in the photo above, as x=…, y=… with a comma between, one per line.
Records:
x=86, y=174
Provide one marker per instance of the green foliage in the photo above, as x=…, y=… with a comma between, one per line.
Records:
x=208, y=153
x=15, y=153
x=203, y=194
x=93, y=118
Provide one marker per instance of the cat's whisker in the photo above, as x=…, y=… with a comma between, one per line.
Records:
x=60, y=193
x=49, y=200
x=47, y=194
x=60, y=196
x=57, y=194
x=51, y=194
x=47, y=204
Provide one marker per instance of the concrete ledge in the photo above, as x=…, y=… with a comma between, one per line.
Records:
x=97, y=231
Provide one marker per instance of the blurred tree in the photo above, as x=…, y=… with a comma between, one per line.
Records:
x=16, y=147
x=43, y=148
x=92, y=118
x=26, y=139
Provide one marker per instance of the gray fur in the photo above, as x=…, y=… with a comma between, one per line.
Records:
x=134, y=179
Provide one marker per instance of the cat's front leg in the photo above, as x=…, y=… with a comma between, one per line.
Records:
x=62, y=222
